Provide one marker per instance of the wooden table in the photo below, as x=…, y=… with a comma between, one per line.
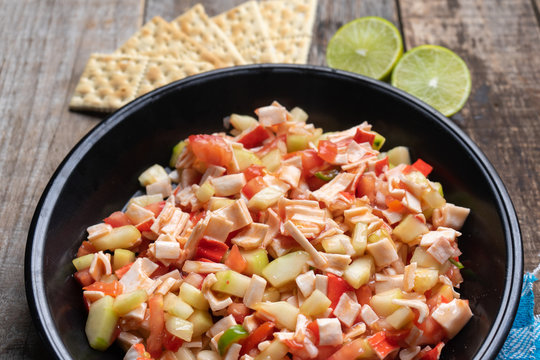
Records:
x=44, y=46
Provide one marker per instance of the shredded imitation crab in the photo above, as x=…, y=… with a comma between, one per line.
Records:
x=278, y=241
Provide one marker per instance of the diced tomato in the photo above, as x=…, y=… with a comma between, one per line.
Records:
x=211, y=249
x=86, y=248
x=352, y=350
x=117, y=219
x=336, y=287
x=123, y=270
x=434, y=353
x=366, y=186
x=311, y=162
x=239, y=311
x=407, y=169
x=113, y=288
x=260, y=334
x=326, y=351
x=313, y=327
x=327, y=150
x=380, y=344
x=157, y=325
x=315, y=183
x=253, y=171
x=397, y=337
x=433, y=332
x=422, y=166
x=394, y=204
x=380, y=165
x=83, y=277
x=363, y=294
x=171, y=342
x=145, y=226
x=195, y=217
x=254, y=137
x=156, y=207
x=161, y=270
x=363, y=136
x=211, y=149
x=235, y=261
x=253, y=186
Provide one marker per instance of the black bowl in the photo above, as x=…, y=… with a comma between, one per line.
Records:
x=100, y=174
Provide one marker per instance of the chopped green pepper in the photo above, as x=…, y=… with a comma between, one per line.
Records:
x=230, y=336
x=378, y=141
x=327, y=175
x=456, y=263
x=177, y=149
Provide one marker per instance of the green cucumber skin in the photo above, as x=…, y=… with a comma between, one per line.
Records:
x=101, y=323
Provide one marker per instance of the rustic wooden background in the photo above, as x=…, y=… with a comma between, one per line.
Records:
x=44, y=45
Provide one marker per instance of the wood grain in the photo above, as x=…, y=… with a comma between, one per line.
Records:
x=496, y=40
x=45, y=45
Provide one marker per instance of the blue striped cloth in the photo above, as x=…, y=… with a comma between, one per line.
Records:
x=523, y=341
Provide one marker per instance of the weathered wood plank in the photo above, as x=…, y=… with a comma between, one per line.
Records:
x=330, y=16
x=44, y=47
x=497, y=40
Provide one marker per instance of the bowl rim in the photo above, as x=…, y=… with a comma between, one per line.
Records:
x=33, y=267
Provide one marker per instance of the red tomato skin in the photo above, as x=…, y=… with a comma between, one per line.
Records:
x=336, y=287
x=260, y=334
x=113, y=288
x=253, y=186
x=363, y=294
x=254, y=138
x=211, y=249
x=235, y=261
x=253, y=171
x=83, y=277
x=380, y=165
x=327, y=150
x=171, y=342
x=366, y=186
x=211, y=149
x=423, y=167
x=117, y=219
x=86, y=248
x=156, y=207
x=157, y=326
x=363, y=136
x=311, y=162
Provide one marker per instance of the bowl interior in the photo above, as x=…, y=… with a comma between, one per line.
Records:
x=101, y=174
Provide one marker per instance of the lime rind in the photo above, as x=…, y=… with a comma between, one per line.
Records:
x=435, y=75
x=369, y=46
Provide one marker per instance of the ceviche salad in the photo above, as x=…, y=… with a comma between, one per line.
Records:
x=278, y=241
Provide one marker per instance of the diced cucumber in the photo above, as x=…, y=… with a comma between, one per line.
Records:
x=180, y=328
x=202, y=322
x=359, y=238
x=378, y=142
x=101, y=323
x=216, y=203
x=275, y=351
x=297, y=142
x=242, y=122
x=124, y=303
x=256, y=261
x=285, y=268
x=284, y=313
x=265, y=198
x=315, y=304
x=399, y=155
x=409, y=229
x=232, y=283
x=119, y=238
x=335, y=244
x=359, y=271
x=271, y=294
x=382, y=303
x=423, y=259
x=400, y=318
x=433, y=198
x=176, y=306
x=425, y=279
x=205, y=192
x=83, y=262
x=378, y=235
x=272, y=160
x=176, y=151
x=145, y=200
x=193, y=296
x=122, y=257
x=298, y=114
x=245, y=158
x=153, y=174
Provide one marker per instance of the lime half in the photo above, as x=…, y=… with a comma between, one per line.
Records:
x=368, y=46
x=436, y=76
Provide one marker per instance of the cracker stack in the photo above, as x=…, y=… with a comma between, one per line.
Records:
x=271, y=31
